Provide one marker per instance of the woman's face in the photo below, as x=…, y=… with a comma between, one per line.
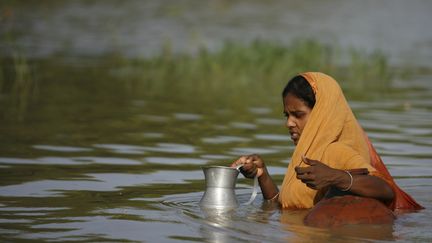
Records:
x=297, y=114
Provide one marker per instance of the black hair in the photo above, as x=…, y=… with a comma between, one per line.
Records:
x=300, y=87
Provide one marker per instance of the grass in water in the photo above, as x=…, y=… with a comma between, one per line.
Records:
x=16, y=79
x=260, y=66
x=258, y=70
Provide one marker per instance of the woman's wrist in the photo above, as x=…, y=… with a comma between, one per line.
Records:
x=350, y=184
x=268, y=188
x=274, y=198
x=262, y=173
x=344, y=180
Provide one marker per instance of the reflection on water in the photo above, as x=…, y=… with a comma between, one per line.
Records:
x=60, y=148
x=160, y=147
x=96, y=182
x=118, y=180
x=225, y=139
x=111, y=180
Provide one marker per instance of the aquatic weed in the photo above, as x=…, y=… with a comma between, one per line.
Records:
x=259, y=66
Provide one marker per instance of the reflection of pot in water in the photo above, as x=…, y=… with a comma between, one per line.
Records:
x=218, y=216
x=218, y=220
x=218, y=202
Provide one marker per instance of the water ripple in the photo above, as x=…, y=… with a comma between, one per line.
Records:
x=243, y=125
x=394, y=148
x=56, y=148
x=172, y=148
x=175, y=161
x=269, y=121
x=224, y=139
x=273, y=137
x=259, y=110
x=243, y=151
x=97, y=182
x=122, y=148
x=160, y=147
x=187, y=116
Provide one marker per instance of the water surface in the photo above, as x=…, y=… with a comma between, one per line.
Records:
x=130, y=170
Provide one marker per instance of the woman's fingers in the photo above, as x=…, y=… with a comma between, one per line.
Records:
x=246, y=160
x=241, y=160
x=305, y=176
x=250, y=174
x=311, y=185
x=308, y=179
x=251, y=165
x=248, y=166
x=303, y=170
x=249, y=170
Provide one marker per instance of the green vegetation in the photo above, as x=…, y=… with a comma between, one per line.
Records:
x=260, y=66
x=259, y=70
x=16, y=78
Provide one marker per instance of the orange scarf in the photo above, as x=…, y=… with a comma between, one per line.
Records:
x=332, y=135
x=402, y=201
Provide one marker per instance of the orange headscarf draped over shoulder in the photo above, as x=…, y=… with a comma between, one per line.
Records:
x=330, y=120
x=331, y=135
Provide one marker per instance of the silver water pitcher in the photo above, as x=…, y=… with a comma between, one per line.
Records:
x=220, y=188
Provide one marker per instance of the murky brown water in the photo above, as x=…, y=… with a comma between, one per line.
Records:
x=91, y=160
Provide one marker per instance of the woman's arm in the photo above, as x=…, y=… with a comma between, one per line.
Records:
x=318, y=175
x=364, y=185
x=254, y=165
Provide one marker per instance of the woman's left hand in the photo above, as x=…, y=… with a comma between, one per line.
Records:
x=317, y=175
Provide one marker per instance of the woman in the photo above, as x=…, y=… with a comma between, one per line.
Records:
x=331, y=151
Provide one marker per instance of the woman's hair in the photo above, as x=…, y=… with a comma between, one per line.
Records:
x=300, y=87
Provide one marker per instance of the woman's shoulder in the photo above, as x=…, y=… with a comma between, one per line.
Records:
x=342, y=156
x=340, y=149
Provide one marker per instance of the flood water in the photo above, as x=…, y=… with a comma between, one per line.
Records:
x=94, y=160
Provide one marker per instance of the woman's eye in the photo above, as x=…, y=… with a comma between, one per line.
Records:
x=298, y=114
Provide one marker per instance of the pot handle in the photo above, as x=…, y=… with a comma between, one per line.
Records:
x=255, y=188
x=254, y=192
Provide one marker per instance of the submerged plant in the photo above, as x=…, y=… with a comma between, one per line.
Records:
x=366, y=72
x=259, y=66
x=18, y=83
x=255, y=72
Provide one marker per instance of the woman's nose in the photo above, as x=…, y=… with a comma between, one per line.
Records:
x=290, y=122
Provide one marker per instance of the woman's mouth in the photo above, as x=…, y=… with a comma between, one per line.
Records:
x=294, y=136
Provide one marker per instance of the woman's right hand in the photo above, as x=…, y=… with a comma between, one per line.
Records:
x=253, y=165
